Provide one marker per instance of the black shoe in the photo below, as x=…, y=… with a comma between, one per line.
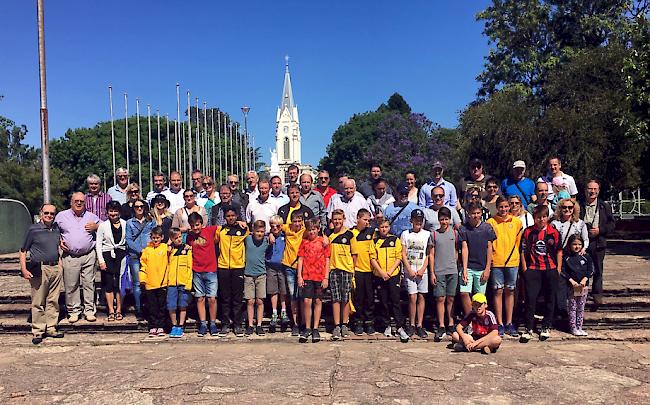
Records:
x=410, y=330
x=422, y=334
x=305, y=336
x=138, y=316
x=55, y=335
x=370, y=330
x=259, y=330
x=239, y=332
x=249, y=331
x=295, y=330
x=358, y=329
x=225, y=330
x=37, y=340
x=315, y=336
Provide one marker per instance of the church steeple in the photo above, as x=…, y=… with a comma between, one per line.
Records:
x=287, y=130
x=287, y=93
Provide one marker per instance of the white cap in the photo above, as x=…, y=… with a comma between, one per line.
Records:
x=519, y=164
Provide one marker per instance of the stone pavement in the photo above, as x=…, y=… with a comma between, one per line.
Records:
x=125, y=369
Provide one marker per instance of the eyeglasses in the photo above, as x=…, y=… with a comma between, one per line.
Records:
x=134, y=191
x=323, y=178
x=188, y=196
x=78, y=201
x=436, y=196
x=49, y=213
x=122, y=176
x=233, y=182
x=93, y=184
x=474, y=196
x=138, y=207
x=515, y=203
x=196, y=178
x=567, y=207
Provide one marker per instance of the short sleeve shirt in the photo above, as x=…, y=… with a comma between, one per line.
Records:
x=540, y=247
x=431, y=222
x=481, y=325
x=445, y=245
x=42, y=243
x=416, y=245
x=314, y=256
x=204, y=255
x=477, y=239
x=255, y=254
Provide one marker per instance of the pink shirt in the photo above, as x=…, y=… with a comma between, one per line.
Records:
x=76, y=238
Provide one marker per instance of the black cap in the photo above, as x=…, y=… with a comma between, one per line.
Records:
x=402, y=188
x=417, y=213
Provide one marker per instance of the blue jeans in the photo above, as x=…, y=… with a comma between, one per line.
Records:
x=134, y=268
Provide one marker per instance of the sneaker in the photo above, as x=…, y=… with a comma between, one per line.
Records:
x=358, y=329
x=153, y=332
x=459, y=347
x=90, y=317
x=73, y=318
x=202, y=329
x=526, y=336
x=160, y=332
x=305, y=336
x=174, y=332
x=180, y=331
x=388, y=332
x=410, y=330
x=336, y=333
x=582, y=333
x=345, y=331
x=56, y=334
x=284, y=319
x=259, y=331
x=449, y=330
x=370, y=330
x=511, y=330
x=440, y=334
x=249, y=331
x=224, y=331
x=501, y=330
x=274, y=323
x=37, y=340
x=315, y=336
x=239, y=331
x=403, y=336
x=138, y=316
x=295, y=330
x=214, y=331
x=575, y=332
x=544, y=334
x=422, y=334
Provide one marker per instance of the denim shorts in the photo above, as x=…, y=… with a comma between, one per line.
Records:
x=205, y=284
x=474, y=284
x=501, y=277
x=177, y=297
x=292, y=282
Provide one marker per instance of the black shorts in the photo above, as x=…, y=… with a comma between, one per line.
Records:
x=111, y=276
x=312, y=290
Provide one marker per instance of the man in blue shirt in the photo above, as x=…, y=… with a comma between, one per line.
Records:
x=517, y=184
x=424, y=196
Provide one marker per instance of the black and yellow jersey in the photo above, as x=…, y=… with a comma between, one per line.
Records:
x=388, y=250
x=363, y=248
x=341, y=249
x=292, y=243
x=232, y=250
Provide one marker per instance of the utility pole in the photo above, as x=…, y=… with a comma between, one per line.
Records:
x=45, y=142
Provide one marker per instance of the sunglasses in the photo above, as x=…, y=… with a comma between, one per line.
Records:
x=567, y=207
x=276, y=226
x=49, y=213
x=188, y=196
x=474, y=196
x=515, y=203
x=492, y=187
x=438, y=196
x=93, y=184
x=138, y=206
x=233, y=182
x=78, y=201
x=196, y=178
x=122, y=176
x=134, y=191
x=323, y=178
x=207, y=184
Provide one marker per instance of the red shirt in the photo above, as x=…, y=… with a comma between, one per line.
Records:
x=540, y=247
x=204, y=254
x=327, y=193
x=313, y=258
x=481, y=325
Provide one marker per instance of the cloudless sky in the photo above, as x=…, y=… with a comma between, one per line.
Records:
x=347, y=57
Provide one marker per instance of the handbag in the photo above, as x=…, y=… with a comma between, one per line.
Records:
x=126, y=282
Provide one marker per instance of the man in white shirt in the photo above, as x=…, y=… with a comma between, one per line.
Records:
x=277, y=196
x=554, y=170
x=175, y=192
x=350, y=202
x=262, y=207
x=251, y=189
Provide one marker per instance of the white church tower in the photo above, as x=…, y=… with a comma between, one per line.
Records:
x=287, y=128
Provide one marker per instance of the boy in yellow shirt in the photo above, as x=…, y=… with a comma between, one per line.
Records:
x=293, y=233
x=179, y=281
x=364, y=294
x=154, y=264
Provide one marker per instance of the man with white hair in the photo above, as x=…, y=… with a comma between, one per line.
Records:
x=251, y=185
x=118, y=191
x=351, y=201
x=96, y=199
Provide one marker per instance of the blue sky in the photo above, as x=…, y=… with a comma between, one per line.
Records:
x=346, y=57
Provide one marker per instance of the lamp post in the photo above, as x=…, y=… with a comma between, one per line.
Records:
x=245, y=109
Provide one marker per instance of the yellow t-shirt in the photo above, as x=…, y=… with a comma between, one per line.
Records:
x=341, y=249
x=363, y=248
x=387, y=251
x=508, y=231
x=232, y=250
x=292, y=243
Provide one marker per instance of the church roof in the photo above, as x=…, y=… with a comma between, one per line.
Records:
x=287, y=93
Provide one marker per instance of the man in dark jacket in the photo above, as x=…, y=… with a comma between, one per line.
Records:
x=599, y=219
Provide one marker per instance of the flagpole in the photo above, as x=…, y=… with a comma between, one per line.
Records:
x=159, y=147
x=110, y=98
x=219, y=144
x=232, y=161
x=189, y=139
x=150, y=157
x=177, y=127
x=169, y=162
x=198, y=141
x=137, y=115
x=206, y=143
x=214, y=155
x=45, y=140
x=126, y=128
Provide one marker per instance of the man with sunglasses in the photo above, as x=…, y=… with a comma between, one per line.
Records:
x=159, y=186
x=238, y=197
x=217, y=216
x=44, y=274
x=118, y=191
x=431, y=222
x=424, y=196
x=175, y=192
x=78, y=226
x=323, y=186
x=476, y=178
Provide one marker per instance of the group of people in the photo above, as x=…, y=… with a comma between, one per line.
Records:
x=302, y=245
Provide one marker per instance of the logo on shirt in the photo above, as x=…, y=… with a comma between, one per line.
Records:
x=540, y=247
x=344, y=240
x=368, y=237
x=392, y=243
x=201, y=241
x=238, y=233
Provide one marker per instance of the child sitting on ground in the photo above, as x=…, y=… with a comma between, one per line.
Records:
x=255, y=277
x=484, y=336
x=179, y=281
x=313, y=277
x=577, y=269
x=153, y=278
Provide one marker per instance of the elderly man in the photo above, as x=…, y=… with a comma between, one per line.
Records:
x=350, y=202
x=118, y=191
x=95, y=198
x=323, y=186
x=78, y=226
x=237, y=196
x=597, y=214
x=431, y=222
x=175, y=192
x=554, y=165
x=44, y=274
x=366, y=188
x=313, y=199
x=399, y=212
x=262, y=207
x=277, y=195
x=159, y=186
x=294, y=205
x=225, y=195
x=518, y=184
x=424, y=196
x=251, y=185
x=197, y=182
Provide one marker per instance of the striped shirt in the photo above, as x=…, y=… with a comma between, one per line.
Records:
x=540, y=247
x=97, y=204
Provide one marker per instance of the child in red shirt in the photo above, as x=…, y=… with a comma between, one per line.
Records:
x=485, y=332
x=313, y=272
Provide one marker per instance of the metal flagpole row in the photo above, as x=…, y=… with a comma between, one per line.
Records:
x=206, y=165
x=214, y=144
x=189, y=141
x=198, y=142
x=232, y=161
x=220, y=145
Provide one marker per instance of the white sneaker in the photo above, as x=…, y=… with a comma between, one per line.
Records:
x=575, y=332
x=403, y=336
x=582, y=333
x=388, y=332
x=544, y=334
x=526, y=336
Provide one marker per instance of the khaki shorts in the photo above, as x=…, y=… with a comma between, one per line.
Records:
x=254, y=287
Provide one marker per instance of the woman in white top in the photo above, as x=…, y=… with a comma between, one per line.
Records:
x=517, y=210
x=567, y=222
x=181, y=215
x=380, y=199
x=410, y=179
x=111, y=251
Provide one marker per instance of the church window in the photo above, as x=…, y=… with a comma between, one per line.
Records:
x=286, y=148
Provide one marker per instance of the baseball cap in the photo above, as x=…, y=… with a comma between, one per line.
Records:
x=437, y=164
x=417, y=213
x=480, y=298
x=519, y=164
x=402, y=188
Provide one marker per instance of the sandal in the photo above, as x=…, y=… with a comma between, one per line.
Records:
x=118, y=316
x=111, y=317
